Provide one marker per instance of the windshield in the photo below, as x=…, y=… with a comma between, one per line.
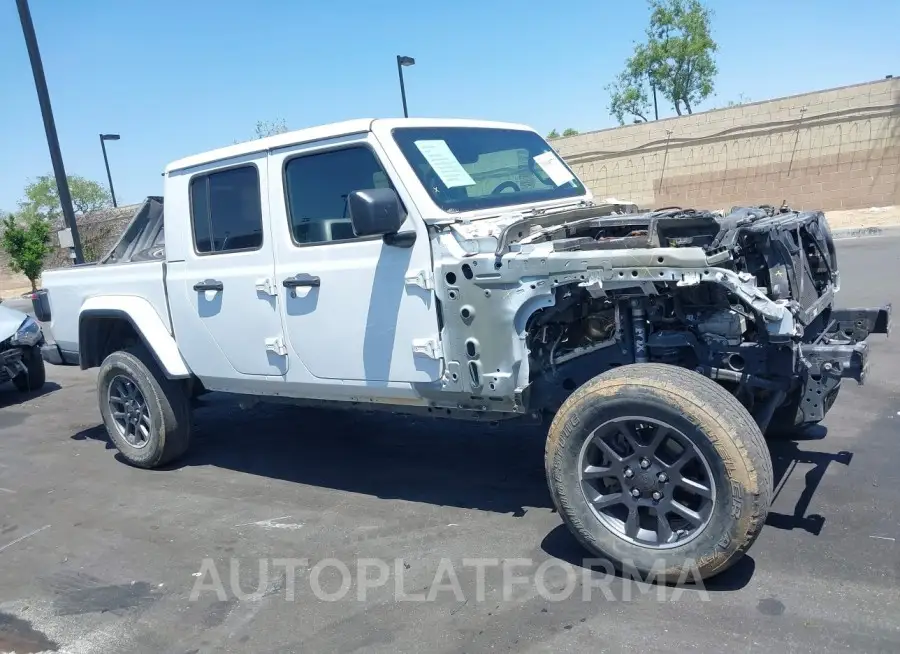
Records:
x=468, y=168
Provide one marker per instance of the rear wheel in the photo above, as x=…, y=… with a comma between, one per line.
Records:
x=661, y=470
x=35, y=375
x=147, y=415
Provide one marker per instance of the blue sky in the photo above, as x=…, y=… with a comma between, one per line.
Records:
x=180, y=77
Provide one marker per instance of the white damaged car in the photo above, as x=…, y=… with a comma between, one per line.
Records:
x=20, y=350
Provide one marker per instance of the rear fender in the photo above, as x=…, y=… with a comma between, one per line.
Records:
x=146, y=323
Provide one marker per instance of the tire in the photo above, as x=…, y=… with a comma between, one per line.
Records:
x=721, y=444
x=36, y=376
x=165, y=406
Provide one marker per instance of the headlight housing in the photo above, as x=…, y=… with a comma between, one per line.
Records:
x=28, y=334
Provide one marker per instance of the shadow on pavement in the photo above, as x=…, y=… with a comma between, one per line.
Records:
x=465, y=464
x=95, y=433
x=489, y=467
x=561, y=544
x=785, y=457
x=9, y=396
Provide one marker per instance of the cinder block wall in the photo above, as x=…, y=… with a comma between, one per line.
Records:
x=833, y=149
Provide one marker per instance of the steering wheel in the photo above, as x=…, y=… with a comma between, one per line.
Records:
x=505, y=185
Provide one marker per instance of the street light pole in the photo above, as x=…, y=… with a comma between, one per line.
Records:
x=401, y=62
x=40, y=83
x=103, y=139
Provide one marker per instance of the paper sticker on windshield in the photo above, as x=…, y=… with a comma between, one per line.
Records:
x=445, y=164
x=554, y=168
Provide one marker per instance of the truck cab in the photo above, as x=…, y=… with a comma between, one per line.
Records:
x=267, y=287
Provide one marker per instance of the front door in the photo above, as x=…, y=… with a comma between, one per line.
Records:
x=224, y=303
x=348, y=310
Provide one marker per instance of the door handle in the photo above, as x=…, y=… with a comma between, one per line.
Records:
x=209, y=285
x=301, y=280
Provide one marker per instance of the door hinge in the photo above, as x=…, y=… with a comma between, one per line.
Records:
x=421, y=278
x=427, y=347
x=276, y=345
x=266, y=285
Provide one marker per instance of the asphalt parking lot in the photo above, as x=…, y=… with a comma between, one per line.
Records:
x=96, y=556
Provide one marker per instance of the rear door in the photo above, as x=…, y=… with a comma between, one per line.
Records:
x=353, y=310
x=224, y=309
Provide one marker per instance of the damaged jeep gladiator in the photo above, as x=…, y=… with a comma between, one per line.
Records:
x=460, y=269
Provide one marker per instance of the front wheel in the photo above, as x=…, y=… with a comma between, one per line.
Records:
x=660, y=470
x=147, y=415
x=34, y=376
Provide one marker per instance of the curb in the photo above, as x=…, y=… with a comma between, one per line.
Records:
x=864, y=232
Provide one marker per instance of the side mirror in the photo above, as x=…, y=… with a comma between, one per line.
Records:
x=375, y=211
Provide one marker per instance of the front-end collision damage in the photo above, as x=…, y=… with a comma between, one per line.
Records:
x=550, y=302
x=11, y=364
x=482, y=297
x=840, y=352
x=26, y=335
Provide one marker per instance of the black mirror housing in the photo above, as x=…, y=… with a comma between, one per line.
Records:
x=375, y=211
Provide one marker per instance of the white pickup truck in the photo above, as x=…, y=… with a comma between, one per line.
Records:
x=459, y=268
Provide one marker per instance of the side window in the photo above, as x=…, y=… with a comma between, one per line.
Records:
x=225, y=210
x=317, y=187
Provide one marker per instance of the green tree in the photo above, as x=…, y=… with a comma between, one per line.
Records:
x=270, y=127
x=677, y=58
x=628, y=96
x=42, y=197
x=569, y=131
x=553, y=134
x=26, y=240
x=40, y=212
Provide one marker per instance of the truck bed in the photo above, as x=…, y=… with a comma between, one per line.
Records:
x=70, y=287
x=144, y=237
x=134, y=266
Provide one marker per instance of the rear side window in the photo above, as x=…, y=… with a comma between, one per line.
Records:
x=317, y=187
x=225, y=211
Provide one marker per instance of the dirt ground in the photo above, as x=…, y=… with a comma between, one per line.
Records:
x=12, y=285
x=15, y=285
x=872, y=217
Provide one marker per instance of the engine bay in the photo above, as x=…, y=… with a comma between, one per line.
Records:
x=787, y=255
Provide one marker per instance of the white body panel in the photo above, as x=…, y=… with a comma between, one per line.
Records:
x=360, y=323
x=222, y=333
x=148, y=323
x=10, y=321
x=71, y=287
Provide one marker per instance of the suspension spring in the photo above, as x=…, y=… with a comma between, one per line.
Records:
x=639, y=330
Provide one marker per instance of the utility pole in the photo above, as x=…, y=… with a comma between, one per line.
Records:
x=40, y=83
x=650, y=74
